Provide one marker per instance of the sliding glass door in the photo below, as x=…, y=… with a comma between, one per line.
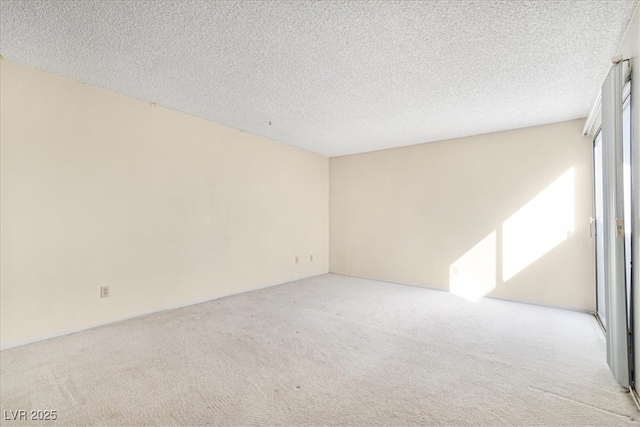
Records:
x=601, y=304
x=612, y=195
x=626, y=184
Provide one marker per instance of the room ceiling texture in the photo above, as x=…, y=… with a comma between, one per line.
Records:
x=335, y=77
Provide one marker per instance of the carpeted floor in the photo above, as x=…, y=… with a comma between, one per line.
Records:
x=324, y=351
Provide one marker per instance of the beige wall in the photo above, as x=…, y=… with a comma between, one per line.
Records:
x=504, y=214
x=166, y=209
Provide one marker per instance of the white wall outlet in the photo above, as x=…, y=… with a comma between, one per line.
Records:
x=104, y=292
x=297, y=259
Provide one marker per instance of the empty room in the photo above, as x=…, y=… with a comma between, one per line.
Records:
x=307, y=213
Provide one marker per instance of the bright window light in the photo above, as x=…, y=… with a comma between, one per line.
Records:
x=539, y=226
x=473, y=275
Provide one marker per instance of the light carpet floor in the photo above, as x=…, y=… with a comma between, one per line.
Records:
x=324, y=351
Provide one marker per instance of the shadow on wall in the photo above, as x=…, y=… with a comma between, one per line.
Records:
x=542, y=224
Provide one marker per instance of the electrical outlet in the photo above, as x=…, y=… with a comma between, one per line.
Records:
x=104, y=292
x=310, y=257
x=297, y=259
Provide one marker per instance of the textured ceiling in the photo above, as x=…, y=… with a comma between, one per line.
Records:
x=335, y=77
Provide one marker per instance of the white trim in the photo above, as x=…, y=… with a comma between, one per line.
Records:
x=626, y=91
x=593, y=117
x=636, y=398
x=146, y=313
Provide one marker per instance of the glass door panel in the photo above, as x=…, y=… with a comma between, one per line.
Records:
x=601, y=304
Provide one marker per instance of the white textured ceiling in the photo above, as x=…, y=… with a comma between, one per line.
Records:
x=335, y=77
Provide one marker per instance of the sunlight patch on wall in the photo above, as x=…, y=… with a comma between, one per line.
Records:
x=539, y=226
x=473, y=275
